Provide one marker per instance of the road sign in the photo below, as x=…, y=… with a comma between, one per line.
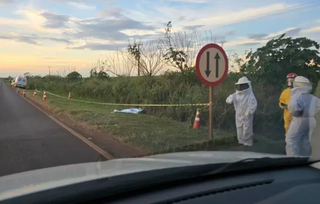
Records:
x=212, y=69
x=212, y=65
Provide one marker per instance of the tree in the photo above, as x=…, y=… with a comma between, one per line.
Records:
x=74, y=75
x=62, y=72
x=150, y=61
x=27, y=74
x=175, y=55
x=9, y=78
x=236, y=61
x=182, y=47
x=93, y=72
x=119, y=64
x=272, y=62
x=98, y=70
x=99, y=74
x=134, y=51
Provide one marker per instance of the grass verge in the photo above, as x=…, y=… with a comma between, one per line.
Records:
x=147, y=132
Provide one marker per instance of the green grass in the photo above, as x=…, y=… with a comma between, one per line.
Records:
x=151, y=133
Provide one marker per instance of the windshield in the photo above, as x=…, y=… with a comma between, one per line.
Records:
x=95, y=81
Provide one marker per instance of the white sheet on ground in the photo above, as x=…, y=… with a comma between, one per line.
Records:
x=130, y=110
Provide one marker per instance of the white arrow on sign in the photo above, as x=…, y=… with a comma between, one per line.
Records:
x=212, y=64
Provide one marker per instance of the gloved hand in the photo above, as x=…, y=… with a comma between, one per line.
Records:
x=246, y=115
x=285, y=106
x=229, y=100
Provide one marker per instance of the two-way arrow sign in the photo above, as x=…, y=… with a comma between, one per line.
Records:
x=208, y=71
x=212, y=64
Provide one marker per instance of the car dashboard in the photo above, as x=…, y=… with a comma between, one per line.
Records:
x=292, y=185
x=295, y=185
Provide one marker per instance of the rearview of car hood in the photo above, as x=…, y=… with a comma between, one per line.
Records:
x=43, y=179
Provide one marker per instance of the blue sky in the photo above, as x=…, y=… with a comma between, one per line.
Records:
x=73, y=34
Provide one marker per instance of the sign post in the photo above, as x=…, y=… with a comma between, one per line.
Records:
x=212, y=69
x=210, y=113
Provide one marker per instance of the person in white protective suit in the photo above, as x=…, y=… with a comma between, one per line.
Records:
x=245, y=105
x=303, y=106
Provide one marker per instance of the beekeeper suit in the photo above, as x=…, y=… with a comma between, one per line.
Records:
x=245, y=104
x=303, y=106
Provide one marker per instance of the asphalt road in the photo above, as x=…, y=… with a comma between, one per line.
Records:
x=31, y=140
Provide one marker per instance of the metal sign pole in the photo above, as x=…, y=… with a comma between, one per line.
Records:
x=210, y=113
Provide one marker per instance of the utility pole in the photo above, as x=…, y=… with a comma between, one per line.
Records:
x=49, y=70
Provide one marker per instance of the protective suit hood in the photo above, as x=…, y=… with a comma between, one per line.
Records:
x=247, y=93
x=301, y=85
x=244, y=80
x=299, y=90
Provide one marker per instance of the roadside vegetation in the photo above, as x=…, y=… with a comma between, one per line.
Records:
x=170, y=127
x=143, y=131
x=171, y=88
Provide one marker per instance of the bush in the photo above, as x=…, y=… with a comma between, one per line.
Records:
x=74, y=75
x=272, y=62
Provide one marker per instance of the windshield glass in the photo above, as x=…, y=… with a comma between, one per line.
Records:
x=94, y=81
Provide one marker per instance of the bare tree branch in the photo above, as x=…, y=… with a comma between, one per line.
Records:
x=151, y=57
x=182, y=47
x=62, y=72
x=120, y=64
x=152, y=61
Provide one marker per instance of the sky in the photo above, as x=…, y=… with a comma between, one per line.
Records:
x=62, y=35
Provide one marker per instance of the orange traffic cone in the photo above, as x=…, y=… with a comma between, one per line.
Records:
x=24, y=93
x=44, y=96
x=35, y=93
x=69, y=95
x=196, y=124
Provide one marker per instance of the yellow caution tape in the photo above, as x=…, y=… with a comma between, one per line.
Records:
x=137, y=105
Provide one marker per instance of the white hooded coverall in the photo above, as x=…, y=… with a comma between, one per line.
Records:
x=303, y=106
x=245, y=105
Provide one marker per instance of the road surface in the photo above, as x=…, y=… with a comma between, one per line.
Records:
x=30, y=140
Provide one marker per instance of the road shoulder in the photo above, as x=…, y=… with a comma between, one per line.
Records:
x=100, y=138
